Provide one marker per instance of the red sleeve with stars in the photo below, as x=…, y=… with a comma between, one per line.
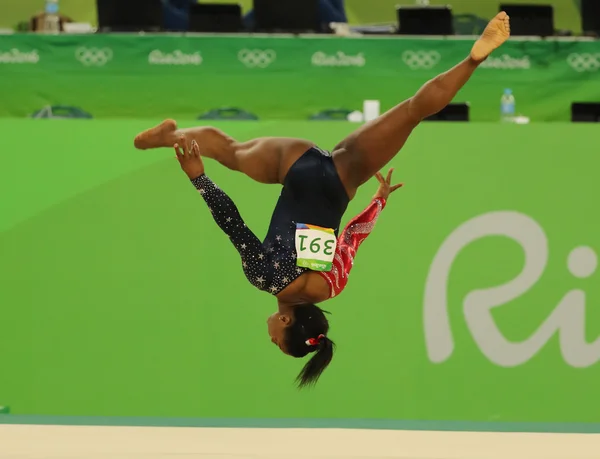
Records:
x=354, y=234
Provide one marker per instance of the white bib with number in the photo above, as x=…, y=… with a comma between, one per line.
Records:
x=315, y=247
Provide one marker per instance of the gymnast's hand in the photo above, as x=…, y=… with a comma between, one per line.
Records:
x=385, y=185
x=189, y=158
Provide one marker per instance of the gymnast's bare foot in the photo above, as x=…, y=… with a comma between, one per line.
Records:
x=494, y=35
x=162, y=135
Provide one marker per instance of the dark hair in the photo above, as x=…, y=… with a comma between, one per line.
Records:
x=309, y=323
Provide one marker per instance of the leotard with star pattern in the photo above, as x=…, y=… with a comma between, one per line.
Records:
x=312, y=193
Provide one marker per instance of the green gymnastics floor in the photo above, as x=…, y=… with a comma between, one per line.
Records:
x=121, y=297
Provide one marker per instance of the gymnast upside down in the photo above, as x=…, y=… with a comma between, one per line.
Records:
x=303, y=259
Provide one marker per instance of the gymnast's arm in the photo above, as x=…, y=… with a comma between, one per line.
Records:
x=357, y=230
x=227, y=216
x=364, y=222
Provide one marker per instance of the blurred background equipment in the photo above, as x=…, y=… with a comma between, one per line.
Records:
x=530, y=20
x=50, y=20
x=332, y=114
x=130, y=15
x=585, y=112
x=379, y=16
x=425, y=20
x=61, y=112
x=590, y=17
x=468, y=24
x=452, y=112
x=295, y=15
x=215, y=17
x=176, y=14
x=288, y=16
x=228, y=114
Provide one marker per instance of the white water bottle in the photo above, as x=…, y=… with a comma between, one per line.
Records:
x=51, y=17
x=507, y=106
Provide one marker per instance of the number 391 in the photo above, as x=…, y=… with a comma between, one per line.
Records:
x=315, y=247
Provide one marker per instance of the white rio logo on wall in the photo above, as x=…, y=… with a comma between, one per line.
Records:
x=568, y=318
x=177, y=57
x=339, y=59
x=16, y=56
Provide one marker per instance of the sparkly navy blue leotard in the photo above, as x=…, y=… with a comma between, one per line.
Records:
x=312, y=193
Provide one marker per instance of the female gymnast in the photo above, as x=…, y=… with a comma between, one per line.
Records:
x=302, y=261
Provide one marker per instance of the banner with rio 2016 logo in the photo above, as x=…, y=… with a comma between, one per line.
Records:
x=283, y=77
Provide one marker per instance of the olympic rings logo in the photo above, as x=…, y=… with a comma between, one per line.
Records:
x=585, y=62
x=421, y=60
x=253, y=58
x=94, y=57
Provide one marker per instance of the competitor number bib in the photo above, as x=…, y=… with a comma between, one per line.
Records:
x=315, y=247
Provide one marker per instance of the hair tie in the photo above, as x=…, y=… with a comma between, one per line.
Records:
x=314, y=341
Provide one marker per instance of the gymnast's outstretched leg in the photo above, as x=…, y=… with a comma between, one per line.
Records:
x=371, y=147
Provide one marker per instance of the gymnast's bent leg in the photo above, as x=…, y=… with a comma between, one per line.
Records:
x=265, y=159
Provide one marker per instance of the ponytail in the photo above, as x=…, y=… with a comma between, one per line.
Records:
x=313, y=369
x=308, y=334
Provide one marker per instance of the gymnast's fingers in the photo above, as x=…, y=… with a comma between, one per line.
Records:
x=184, y=145
x=389, y=176
x=178, y=152
x=195, y=149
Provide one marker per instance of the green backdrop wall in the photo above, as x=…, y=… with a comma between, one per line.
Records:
x=120, y=297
